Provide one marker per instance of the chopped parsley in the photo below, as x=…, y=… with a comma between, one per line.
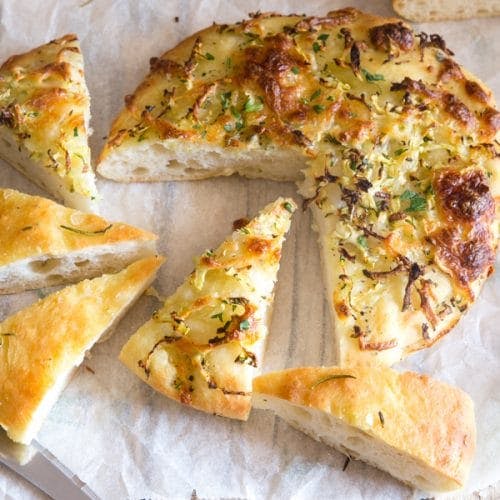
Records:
x=372, y=77
x=295, y=70
x=75, y=132
x=318, y=108
x=315, y=94
x=316, y=47
x=225, y=99
x=417, y=202
x=228, y=127
x=238, y=117
x=323, y=37
x=288, y=207
x=217, y=316
x=209, y=57
x=362, y=241
x=253, y=105
x=400, y=151
x=245, y=324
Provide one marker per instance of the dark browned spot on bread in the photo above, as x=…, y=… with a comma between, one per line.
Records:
x=464, y=196
x=415, y=87
x=239, y=223
x=492, y=119
x=269, y=66
x=258, y=246
x=342, y=309
x=458, y=110
x=450, y=70
x=391, y=33
x=476, y=91
x=165, y=66
x=467, y=256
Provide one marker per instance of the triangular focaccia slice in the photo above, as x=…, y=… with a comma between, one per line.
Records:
x=417, y=429
x=403, y=167
x=44, y=121
x=206, y=343
x=44, y=244
x=42, y=344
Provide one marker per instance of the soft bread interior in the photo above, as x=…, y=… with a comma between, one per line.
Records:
x=357, y=444
x=151, y=161
x=50, y=270
x=434, y=10
x=20, y=158
x=52, y=395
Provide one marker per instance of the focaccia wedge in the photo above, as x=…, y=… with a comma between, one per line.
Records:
x=397, y=142
x=419, y=430
x=43, y=243
x=43, y=343
x=206, y=343
x=44, y=121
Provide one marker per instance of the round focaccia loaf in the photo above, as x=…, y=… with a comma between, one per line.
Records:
x=395, y=139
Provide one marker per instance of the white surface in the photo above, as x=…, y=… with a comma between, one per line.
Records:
x=117, y=434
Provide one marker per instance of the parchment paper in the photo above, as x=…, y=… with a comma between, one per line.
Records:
x=118, y=435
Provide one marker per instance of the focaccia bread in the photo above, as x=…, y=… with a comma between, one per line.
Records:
x=396, y=141
x=42, y=344
x=437, y=10
x=44, y=244
x=44, y=121
x=206, y=343
x=417, y=429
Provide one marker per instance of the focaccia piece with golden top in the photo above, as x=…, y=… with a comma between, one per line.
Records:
x=42, y=344
x=397, y=141
x=419, y=430
x=206, y=343
x=43, y=243
x=44, y=121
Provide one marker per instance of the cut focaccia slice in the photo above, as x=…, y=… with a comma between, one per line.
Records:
x=44, y=244
x=206, y=343
x=399, y=142
x=44, y=121
x=42, y=344
x=417, y=429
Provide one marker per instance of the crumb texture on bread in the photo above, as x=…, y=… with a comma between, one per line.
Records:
x=42, y=344
x=401, y=162
x=43, y=243
x=206, y=343
x=417, y=429
x=44, y=120
x=439, y=10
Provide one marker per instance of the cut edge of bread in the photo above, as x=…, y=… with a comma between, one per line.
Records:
x=173, y=160
x=357, y=444
x=49, y=269
x=19, y=158
x=440, y=10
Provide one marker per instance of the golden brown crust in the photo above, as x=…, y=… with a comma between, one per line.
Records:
x=33, y=226
x=43, y=342
x=421, y=417
x=203, y=347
